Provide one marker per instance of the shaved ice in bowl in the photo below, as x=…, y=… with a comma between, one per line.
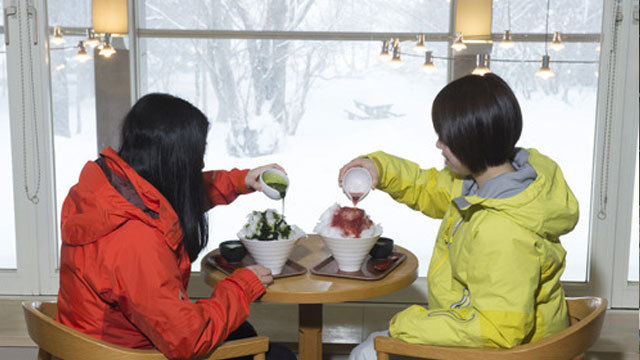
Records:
x=269, y=239
x=349, y=234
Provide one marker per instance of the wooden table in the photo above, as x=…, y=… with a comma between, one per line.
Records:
x=311, y=291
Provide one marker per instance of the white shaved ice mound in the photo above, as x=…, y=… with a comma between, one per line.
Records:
x=324, y=226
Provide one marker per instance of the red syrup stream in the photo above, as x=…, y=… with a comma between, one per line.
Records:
x=355, y=197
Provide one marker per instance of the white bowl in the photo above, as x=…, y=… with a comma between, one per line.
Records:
x=356, y=183
x=349, y=253
x=271, y=254
x=277, y=175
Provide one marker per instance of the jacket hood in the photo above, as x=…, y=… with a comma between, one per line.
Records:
x=535, y=196
x=110, y=193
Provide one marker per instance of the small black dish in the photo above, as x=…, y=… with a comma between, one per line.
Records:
x=382, y=249
x=232, y=250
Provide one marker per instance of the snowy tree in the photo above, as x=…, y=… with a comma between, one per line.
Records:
x=261, y=85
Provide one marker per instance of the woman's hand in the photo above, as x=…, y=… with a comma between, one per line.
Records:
x=364, y=163
x=263, y=273
x=252, y=180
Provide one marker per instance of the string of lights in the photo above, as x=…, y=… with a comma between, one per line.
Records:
x=473, y=58
x=93, y=39
x=482, y=60
x=391, y=50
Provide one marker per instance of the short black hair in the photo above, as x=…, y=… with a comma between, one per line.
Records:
x=479, y=119
x=164, y=140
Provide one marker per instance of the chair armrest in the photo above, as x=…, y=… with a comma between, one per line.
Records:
x=385, y=344
x=242, y=347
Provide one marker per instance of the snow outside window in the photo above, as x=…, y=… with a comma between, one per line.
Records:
x=74, y=118
x=300, y=15
x=7, y=217
x=325, y=103
x=72, y=98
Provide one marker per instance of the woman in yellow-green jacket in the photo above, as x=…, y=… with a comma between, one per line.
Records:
x=494, y=276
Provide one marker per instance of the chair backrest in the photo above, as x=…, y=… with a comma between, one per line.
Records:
x=66, y=343
x=586, y=318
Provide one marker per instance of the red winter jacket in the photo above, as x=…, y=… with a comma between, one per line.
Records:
x=124, y=270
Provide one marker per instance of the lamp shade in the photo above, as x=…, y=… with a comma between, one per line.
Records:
x=473, y=19
x=110, y=16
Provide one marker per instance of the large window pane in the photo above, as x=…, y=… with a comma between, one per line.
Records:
x=566, y=16
x=302, y=15
x=311, y=107
x=74, y=117
x=7, y=215
x=634, y=245
x=559, y=117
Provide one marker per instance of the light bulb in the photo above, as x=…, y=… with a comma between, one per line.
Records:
x=107, y=49
x=545, y=71
x=420, y=48
x=57, y=38
x=81, y=55
x=506, y=42
x=428, y=66
x=92, y=40
x=557, y=43
x=482, y=65
x=459, y=44
x=384, y=53
x=396, y=62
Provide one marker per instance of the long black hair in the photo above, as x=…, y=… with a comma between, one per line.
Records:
x=479, y=119
x=164, y=139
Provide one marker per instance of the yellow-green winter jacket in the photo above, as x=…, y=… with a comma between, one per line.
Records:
x=494, y=276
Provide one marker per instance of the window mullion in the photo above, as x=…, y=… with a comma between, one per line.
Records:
x=608, y=170
x=626, y=294
x=46, y=217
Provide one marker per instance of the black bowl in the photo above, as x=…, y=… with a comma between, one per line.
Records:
x=232, y=250
x=382, y=249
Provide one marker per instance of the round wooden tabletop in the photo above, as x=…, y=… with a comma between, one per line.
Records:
x=314, y=289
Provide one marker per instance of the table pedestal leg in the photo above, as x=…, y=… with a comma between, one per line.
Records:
x=310, y=331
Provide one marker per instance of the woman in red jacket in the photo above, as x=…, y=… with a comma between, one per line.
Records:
x=133, y=224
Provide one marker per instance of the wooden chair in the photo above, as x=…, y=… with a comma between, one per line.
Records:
x=63, y=342
x=586, y=318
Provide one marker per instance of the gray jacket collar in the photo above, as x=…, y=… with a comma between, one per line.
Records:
x=504, y=185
